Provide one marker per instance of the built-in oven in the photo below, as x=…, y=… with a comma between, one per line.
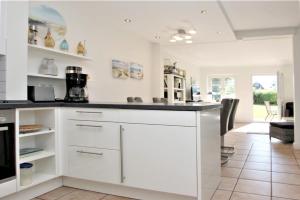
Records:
x=7, y=152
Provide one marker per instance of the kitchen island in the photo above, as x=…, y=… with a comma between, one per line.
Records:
x=142, y=151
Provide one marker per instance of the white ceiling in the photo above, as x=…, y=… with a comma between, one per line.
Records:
x=249, y=15
x=231, y=18
x=271, y=52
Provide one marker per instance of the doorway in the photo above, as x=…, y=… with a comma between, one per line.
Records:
x=265, y=92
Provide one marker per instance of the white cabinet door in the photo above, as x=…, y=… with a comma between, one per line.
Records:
x=101, y=165
x=160, y=158
x=2, y=27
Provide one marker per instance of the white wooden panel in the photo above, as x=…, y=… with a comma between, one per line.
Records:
x=160, y=158
x=92, y=114
x=8, y=188
x=87, y=163
x=93, y=134
x=176, y=118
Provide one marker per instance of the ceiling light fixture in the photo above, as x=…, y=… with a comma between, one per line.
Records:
x=192, y=31
x=157, y=37
x=182, y=35
x=203, y=11
x=127, y=20
x=219, y=32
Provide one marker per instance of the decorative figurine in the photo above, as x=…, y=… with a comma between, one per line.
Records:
x=49, y=41
x=81, y=48
x=64, y=45
x=32, y=34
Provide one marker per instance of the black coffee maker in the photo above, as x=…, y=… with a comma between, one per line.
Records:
x=76, y=85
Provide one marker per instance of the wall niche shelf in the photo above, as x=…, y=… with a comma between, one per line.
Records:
x=57, y=51
x=45, y=76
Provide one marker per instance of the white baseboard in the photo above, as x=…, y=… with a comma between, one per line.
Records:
x=296, y=146
x=35, y=191
x=122, y=190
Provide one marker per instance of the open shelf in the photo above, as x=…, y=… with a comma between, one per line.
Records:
x=35, y=156
x=57, y=51
x=42, y=132
x=45, y=76
x=38, y=178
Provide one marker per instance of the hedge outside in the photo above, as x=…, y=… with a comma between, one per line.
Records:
x=260, y=96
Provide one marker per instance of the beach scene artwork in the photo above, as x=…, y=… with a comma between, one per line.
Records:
x=47, y=18
x=120, y=69
x=136, y=71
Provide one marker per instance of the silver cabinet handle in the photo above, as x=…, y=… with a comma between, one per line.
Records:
x=92, y=126
x=121, y=154
x=91, y=153
x=5, y=128
x=89, y=112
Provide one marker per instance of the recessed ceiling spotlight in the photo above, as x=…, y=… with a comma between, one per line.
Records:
x=192, y=31
x=157, y=37
x=127, y=20
x=219, y=32
x=172, y=40
x=189, y=41
x=203, y=11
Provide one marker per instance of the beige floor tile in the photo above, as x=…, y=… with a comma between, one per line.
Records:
x=241, y=151
x=112, y=197
x=238, y=157
x=57, y=193
x=230, y=172
x=253, y=187
x=235, y=164
x=83, y=195
x=227, y=183
x=286, y=191
x=260, y=153
x=284, y=161
x=221, y=195
x=276, y=198
x=245, y=196
x=293, y=179
x=256, y=175
x=263, y=159
x=258, y=166
x=297, y=155
x=294, y=169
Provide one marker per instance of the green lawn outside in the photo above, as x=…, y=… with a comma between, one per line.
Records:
x=260, y=112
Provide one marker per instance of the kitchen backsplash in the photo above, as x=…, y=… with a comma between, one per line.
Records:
x=2, y=77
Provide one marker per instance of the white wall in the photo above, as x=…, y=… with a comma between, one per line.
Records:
x=105, y=43
x=296, y=43
x=243, y=78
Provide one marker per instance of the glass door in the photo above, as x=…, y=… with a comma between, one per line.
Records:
x=220, y=87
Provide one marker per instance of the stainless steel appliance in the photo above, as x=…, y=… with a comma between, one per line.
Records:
x=41, y=93
x=76, y=85
x=7, y=151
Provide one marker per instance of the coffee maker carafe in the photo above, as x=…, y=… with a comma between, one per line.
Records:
x=76, y=85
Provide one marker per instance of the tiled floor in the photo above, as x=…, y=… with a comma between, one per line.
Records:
x=67, y=193
x=260, y=169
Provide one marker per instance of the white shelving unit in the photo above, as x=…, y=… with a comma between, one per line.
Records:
x=46, y=76
x=175, y=89
x=45, y=162
x=57, y=51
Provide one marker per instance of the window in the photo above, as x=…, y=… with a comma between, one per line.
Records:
x=220, y=87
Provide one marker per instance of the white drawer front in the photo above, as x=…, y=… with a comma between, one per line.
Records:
x=94, y=164
x=176, y=118
x=93, y=134
x=91, y=114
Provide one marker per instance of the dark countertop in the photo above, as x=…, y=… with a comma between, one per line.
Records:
x=137, y=106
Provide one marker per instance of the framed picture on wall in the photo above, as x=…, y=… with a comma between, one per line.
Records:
x=136, y=71
x=120, y=69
